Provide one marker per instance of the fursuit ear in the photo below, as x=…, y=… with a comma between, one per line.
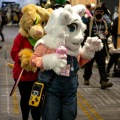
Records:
x=80, y=9
x=69, y=8
x=65, y=17
x=43, y=12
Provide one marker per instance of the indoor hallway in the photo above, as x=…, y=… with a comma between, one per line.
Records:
x=93, y=103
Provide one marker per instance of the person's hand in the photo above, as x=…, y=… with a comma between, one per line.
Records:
x=106, y=32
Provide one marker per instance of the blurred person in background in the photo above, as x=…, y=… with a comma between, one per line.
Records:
x=0, y=25
x=113, y=57
x=2, y=20
x=105, y=9
x=97, y=27
x=92, y=8
x=115, y=14
x=87, y=14
x=9, y=14
x=106, y=16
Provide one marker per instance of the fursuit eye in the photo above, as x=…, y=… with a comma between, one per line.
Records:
x=72, y=27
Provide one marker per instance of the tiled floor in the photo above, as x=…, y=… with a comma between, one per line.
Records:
x=93, y=103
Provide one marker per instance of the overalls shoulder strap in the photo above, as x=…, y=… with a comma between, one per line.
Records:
x=106, y=26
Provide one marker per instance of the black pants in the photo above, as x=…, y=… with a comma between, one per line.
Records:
x=1, y=29
x=100, y=60
x=112, y=61
x=2, y=36
x=25, y=91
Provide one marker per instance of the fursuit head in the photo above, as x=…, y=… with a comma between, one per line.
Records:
x=65, y=28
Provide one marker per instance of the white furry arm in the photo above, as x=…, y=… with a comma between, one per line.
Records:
x=53, y=61
x=92, y=45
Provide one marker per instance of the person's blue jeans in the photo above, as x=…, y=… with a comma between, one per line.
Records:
x=61, y=100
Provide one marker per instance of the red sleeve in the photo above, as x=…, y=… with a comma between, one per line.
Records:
x=17, y=46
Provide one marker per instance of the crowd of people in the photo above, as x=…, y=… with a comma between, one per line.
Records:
x=9, y=15
x=12, y=12
x=99, y=23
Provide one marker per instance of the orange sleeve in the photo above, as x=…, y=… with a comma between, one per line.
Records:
x=36, y=59
x=82, y=61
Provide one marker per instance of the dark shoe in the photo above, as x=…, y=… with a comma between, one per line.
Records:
x=86, y=82
x=106, y=85
x=0, y=47
x=108, y=74
x=2, y=40
x=104, y=81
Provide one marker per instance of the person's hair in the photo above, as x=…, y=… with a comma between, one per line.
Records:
x=102, y=4
x=98, y=7
x=88, y=6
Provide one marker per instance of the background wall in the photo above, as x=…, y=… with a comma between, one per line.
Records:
x=111, y=4
x=74, y=2
x=21, y=2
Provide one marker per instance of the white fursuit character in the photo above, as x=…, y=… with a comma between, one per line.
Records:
x=65, y=28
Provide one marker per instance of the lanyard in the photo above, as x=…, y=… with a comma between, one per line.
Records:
x=98, y=28
x=72, y=67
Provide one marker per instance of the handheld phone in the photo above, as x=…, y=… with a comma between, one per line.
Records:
x=36, y=94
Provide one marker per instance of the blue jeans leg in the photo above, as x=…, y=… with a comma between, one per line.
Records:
x=52, y=107
x=61, y=101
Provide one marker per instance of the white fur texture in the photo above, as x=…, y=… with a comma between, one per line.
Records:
x=91, y=45
x=54, y=62
x=80, y=9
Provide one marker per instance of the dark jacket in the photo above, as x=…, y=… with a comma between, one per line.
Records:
x=115, y=31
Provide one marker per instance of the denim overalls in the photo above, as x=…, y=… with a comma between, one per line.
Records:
x=61, y=100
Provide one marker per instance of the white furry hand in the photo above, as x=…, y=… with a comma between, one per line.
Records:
x=93, y=44
x=60, y=64
x=54, y=62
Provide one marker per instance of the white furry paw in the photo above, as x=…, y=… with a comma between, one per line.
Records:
x=53, y=61
x=57, y=70
x=93, y=44
x=59, y=66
